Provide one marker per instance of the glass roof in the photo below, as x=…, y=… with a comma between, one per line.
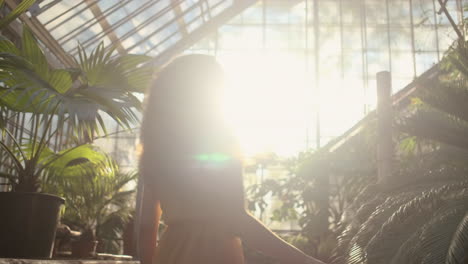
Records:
x=142, y=27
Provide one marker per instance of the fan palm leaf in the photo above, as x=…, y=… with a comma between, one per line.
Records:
x=410, y=216
x=459, y=244
x=429, y=242
x=357, y=245
x=81, y=98
x=97, y=198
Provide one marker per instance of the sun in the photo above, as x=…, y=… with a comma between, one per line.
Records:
x=265, y=101
x=271, y=102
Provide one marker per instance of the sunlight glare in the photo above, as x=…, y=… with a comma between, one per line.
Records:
x=270, y=103
x=265, y=101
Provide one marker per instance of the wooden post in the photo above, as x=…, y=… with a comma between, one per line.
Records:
x=384, y=126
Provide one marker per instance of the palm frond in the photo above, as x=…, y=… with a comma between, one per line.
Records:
x=458, y=248
x=410, y=216
x=447, y=97
x=429, y=242
x=15, y=13
x=31, y=51
x=450, y=130
x=357, y=252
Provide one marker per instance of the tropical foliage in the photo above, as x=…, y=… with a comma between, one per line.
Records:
x=316, y=190
x=421, y=216
x=15, y=13
x=98, y=198
x=55, y=101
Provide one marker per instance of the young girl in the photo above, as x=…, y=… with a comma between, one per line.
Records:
x=191, y=171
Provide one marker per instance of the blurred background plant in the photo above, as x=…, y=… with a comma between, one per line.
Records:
x=347, y=217
x=99, y=199
x=315, y=192
x=420, y=216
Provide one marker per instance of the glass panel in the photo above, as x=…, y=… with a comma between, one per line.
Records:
x=423, y=12
x=377, y=37
x=376, y=12
x=60, y=12
x=277, y=37
x=400, y=83
x=424, y=61
x=207, y=43
x=276, y=12
x=296, y=37
x=184, y=5
x=353, y=65
x=400, y=39
x=352, y=38
x=377, y=61
x=231, y=37
x=446, y=37
x=271, y=56
x=252, y=15
x=194, y=24
x=399, y=12
x=425, y=39
x=297, y=14
x=351, y=13
x=329, y=12
x=452, y=9
x=402, y=65
x=192, y=14
x=216, y=9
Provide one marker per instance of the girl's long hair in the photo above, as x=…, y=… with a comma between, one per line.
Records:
x=181, y=108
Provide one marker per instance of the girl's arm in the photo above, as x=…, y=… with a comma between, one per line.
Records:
x=149, y=224
x=252, y=231
x=256, y=235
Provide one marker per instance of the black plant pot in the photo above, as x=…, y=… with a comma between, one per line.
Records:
x=27, y=224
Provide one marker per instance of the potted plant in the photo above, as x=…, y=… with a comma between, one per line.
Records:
x=51, y=99
x=98, y=202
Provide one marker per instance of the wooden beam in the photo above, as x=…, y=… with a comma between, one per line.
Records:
x=106, y=27
x=400, y=100
x=201, y=32
x=44, y=36
x=180, y=18
x=450, y=19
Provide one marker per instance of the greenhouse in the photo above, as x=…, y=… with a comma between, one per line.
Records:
x=233, y=131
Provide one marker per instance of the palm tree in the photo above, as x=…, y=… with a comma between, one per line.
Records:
x=98, y=197
x=52, y=99
x=422, y=218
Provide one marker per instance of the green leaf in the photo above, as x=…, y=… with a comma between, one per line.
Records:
x=70, y=157
x=15, y=13
x=131, y=61
x=33, y=53
x=78, y=161
x=7, y=46
x=60, y=80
